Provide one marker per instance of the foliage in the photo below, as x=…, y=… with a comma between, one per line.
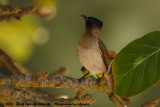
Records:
x=136, y=67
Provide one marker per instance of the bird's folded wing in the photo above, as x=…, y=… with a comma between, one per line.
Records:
x=104, y=52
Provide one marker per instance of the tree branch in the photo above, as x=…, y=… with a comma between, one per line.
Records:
x=9, y=9
x=156, y=84
x=151, y=103
x=4, y=58
x=14, y=94
x=8, y=13
x=22, y=81
x=18, y=15
x=61, y=72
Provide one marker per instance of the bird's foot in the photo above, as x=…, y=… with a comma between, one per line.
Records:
x=85, y=72
x=83, y=78
x=101, y=80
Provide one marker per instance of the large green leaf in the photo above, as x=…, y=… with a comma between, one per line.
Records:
x=137, y=66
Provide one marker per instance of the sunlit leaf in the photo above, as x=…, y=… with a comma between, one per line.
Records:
x=137, y=66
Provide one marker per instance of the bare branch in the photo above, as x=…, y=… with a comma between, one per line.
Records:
x=7, y=61
x=110, y=80
x=112, y=53
x=29, y=80
x=19, y=96
x=59, y=82
x=61, y=72
x=39, y=93
x=20, y=67
x=156, y=84
x=8, y=13
x=115, y=100
x=125, y=100
x=79, y=94
x=151, y=103
x=40, y=75
x=18, y=15
x=9, y=9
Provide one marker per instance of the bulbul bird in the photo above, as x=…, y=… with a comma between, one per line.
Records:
x=92, y=52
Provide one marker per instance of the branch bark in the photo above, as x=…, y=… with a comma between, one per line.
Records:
x=9, y=9
x=22, y=81
x=8, y=13
x=151, y=103
x=19, y=96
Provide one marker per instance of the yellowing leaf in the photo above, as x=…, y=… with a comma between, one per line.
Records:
x=16, y=37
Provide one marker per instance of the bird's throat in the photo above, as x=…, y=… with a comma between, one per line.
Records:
x=96, y=32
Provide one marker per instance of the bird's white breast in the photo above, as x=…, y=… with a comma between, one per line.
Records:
x=91, y=58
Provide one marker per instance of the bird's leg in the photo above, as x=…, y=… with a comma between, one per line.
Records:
x=85, y=73
x=83, y=78
x=101, y=80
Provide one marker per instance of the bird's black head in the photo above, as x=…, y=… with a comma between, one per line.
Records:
x=92, y=22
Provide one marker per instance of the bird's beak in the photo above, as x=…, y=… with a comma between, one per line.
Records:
x=85, y=17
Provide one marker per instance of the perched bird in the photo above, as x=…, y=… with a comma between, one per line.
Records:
x=92, y=52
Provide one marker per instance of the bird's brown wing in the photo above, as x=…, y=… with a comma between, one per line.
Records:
x=106, y=59
x=104, y=52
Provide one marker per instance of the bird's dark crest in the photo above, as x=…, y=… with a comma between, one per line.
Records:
x=92, y=21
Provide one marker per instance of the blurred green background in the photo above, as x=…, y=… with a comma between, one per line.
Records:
x=50, y=44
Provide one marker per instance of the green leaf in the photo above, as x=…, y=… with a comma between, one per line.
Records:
x=137, y=66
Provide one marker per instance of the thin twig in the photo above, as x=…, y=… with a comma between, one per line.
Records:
x=156, y=84
x=20, y=67
x=61, y=72
x=151, y=103
x=112, y=54
x=125, y=100
x=8, y=13
x=9, y=9
x=79, y=94
x=4, y=58
x=14, y=94
x=110, y=80
x=17, y=16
